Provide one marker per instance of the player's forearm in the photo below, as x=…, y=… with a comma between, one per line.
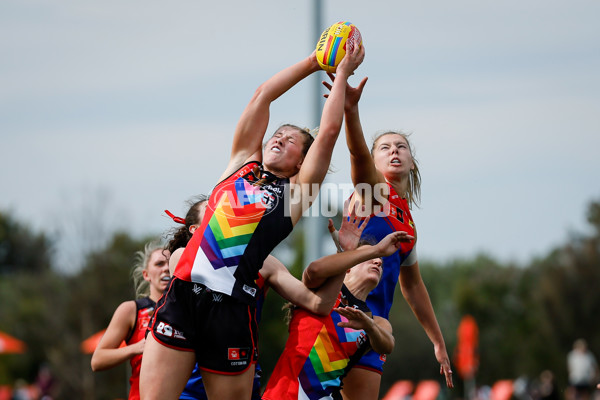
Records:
x=103, y=359
x=335, y=264
x=382, y=340
x=327, y=295
x=354, y=133
x=420, y=304
x=285, y=79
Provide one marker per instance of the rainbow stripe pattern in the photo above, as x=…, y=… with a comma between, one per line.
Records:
x=333, y=45
x=328, y=358
x=235, y=218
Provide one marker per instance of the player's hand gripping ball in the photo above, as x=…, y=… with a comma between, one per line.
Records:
x=331, y=47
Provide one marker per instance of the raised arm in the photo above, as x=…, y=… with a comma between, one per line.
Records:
x=361, y=162
x=362, y=167
x=109, y=353
x=317, y=160
x=252, y=125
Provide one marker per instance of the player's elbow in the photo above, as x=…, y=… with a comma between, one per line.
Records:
x=262, y=95
x=99, y=363
x=322, y=307
x=390, y=345
x=96, y=366
x=313, y=273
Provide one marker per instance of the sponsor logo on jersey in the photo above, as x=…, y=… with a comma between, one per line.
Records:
x=143, y=325
x=144, y=318
x=168, y=331
x=178, y=334
x=397, y=213
x=250, y=290
x=164, y=329
x=236, y=353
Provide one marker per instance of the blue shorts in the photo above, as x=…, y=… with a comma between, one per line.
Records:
x=372, y=361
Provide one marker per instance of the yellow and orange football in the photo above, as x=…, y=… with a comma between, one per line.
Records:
x=331, y=47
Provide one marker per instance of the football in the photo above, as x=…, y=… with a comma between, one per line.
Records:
x=331, y=47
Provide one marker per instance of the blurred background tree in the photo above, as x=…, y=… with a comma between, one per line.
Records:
x=528, y=315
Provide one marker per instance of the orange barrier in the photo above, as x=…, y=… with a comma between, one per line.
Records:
x=399, y=390
x=502, y=390
x=426, y=390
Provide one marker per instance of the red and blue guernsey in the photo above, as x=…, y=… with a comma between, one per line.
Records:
x=317, y=355
x=242, y=224
x=396, y=217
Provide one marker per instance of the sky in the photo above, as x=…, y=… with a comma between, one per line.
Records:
x=112, y=111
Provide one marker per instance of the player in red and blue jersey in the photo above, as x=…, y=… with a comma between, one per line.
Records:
x=387, y=181
x=321, y=350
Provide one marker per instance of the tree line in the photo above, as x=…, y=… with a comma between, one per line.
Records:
x=528, y=315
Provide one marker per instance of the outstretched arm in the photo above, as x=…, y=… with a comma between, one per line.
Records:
x=414, y=291
x=326, y=275
x=346, y=239
x=362, y=167
x=328, y=281
x=294, y=291
x=319, y=271
x=251, y=128
x=361, y=162
x=108, y=353
x=317, y=160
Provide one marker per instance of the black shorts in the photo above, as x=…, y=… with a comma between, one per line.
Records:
x=219, y=328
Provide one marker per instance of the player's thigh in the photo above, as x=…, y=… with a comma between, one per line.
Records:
x=229, y=387
x=361, y=384
x=164, y=371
